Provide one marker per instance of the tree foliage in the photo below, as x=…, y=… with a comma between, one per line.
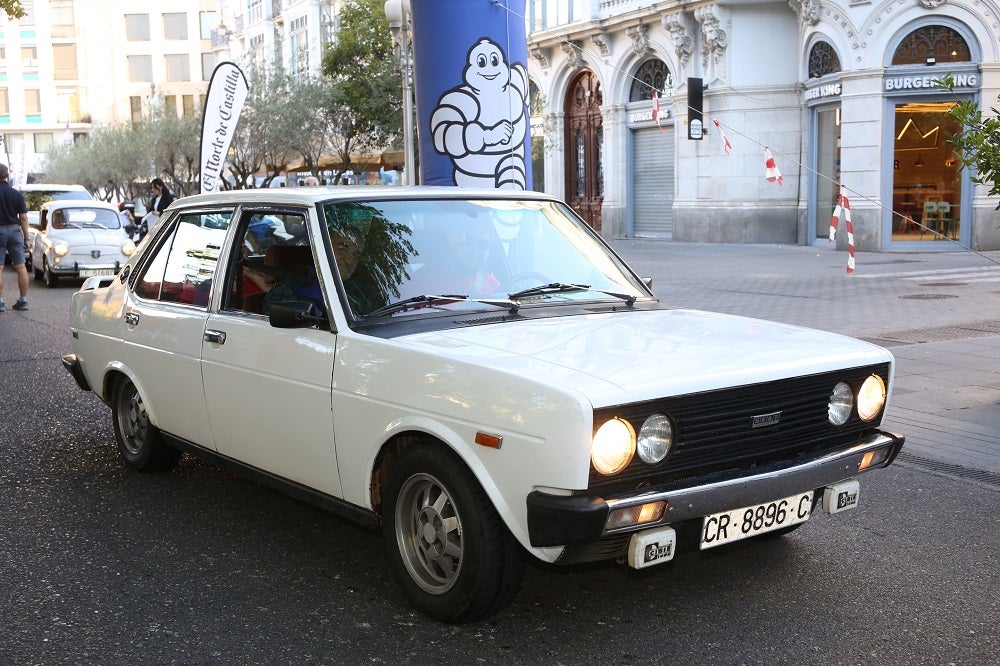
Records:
x=13, y=8
x=978, y=143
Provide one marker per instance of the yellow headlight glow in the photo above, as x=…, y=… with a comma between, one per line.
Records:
x=614, y=446
x=871, y=398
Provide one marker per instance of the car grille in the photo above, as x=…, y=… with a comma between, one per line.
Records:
x=714, y=433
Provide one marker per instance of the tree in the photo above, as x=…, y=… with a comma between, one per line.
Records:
x=361, y=109
x=978, y=143
x=13, y=8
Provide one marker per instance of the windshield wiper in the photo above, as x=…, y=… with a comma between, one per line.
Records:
x=429, y=300
x=563, y=287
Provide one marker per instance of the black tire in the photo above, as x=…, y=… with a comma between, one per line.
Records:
x=51, y=279
x=450, y=550
x=37, y=272
x=139, y=440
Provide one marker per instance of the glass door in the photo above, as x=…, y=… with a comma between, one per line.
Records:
x=827, y=168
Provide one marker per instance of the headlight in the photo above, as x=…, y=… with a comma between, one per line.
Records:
x=128, y=248
x=871, y=398
x=655, y=438
x=614, y=446
x=61, y=249
x=841, y=402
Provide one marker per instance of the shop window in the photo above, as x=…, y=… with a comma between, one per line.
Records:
x=932, y=44
x=652, y=76
x=823, y=60
x=43, y=142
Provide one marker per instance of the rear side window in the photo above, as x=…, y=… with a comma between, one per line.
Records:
x=184, y=265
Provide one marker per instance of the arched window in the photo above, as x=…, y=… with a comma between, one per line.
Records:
x=823, y=60
x=940, y=42
x=652, y=75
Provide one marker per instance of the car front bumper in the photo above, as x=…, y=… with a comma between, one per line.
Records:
x=576, y=520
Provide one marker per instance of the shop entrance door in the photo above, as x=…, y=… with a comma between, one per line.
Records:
x=584, y=148
x=927, y=179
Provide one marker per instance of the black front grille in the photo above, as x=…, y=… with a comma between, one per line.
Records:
x=714, y=431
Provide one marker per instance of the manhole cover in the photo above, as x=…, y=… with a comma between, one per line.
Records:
x=928, y=297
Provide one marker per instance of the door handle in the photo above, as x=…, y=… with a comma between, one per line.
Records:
x=132, y=318
x=218, y=337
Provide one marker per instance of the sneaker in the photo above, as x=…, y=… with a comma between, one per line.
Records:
x=20, y=305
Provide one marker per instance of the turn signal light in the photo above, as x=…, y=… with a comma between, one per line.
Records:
x=872, y=458
x=635, y=515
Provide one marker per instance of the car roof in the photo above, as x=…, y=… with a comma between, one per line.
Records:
x=78, y=203
x=49, y=187
x=314, y=195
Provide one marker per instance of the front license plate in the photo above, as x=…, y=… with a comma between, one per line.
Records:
x=95, y=272
x=729, y=526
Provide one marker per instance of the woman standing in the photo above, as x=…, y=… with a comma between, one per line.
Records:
x=162, y=197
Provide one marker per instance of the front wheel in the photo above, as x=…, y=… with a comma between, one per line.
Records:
x=50, y=278
x=139, y=440
x=450, y=550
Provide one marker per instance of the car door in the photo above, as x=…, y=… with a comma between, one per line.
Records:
x=268, y=389
x=165, y=316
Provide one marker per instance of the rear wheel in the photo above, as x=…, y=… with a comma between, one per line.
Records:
x=139, y=440
x=450, y=550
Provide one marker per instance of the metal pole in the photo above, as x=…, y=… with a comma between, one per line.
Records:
x=407, y=67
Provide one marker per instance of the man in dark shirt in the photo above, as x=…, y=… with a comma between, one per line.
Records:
x=13, y=236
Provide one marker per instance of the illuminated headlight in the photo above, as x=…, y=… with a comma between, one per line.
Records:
x=841, y=402
x=61, y=249
x=871, y=398
x=128, y=248
x=655, y=438
x=614, y=446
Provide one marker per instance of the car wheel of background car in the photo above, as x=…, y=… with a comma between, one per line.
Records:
x=51, y=280
x=37, y=271
x=139, y=440
x=449, y=549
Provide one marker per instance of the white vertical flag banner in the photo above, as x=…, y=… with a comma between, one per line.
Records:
x=227, y=92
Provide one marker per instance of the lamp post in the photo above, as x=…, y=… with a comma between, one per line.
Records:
x=397, y=11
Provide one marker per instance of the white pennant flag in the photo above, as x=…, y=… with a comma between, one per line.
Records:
x=227, y=92
x=771, y=168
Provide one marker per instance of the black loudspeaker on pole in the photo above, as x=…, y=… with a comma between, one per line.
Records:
x=696, y=127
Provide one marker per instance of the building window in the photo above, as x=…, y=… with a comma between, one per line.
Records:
x=64, y=62
x=299, y=46
x=170, y=103
x=652, y=76
x=14, y=143
x=207, y=66
x=255, y=11
x=187, y=102
x=175, y=26
x=43, y=142
x=937, y=42
x=140, y=68
x=207, y=21
x=32, y=102
x=4, y=103
x=135, y=109
x=823, y=60
x=68, y=104
x=29, y=57
x=137, y=27
x=63, y=23
x=178, y=67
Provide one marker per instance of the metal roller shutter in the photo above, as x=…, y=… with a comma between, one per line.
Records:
x=653, y=182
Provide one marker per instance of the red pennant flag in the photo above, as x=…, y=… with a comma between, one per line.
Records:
x=726, y=146
x=771, y=169
x=656, y=110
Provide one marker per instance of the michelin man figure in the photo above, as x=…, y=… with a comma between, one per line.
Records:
x=481, y=125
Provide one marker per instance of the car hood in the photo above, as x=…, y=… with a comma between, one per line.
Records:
x=629, y=356
x=90, y=236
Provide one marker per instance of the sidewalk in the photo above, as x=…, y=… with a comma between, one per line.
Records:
x=937, y=312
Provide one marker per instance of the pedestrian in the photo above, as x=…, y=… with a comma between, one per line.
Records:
x=13, y=236
x=162, y=197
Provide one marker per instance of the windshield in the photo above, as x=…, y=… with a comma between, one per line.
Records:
x=85, y=218
x=484, y=253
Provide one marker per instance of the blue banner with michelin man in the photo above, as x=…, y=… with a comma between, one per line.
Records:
x=471, y=84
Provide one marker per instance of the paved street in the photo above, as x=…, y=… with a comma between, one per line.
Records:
x=199, y=566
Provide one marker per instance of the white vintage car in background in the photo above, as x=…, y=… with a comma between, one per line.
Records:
x=477, y=373
x=77, y=239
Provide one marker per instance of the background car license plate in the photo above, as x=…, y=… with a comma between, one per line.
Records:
x=729, y=526
x=93, y=272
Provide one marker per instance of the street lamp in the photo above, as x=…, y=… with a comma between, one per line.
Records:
x=398, y=13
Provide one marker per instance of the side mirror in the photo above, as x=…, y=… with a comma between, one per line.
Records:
x=295, y=314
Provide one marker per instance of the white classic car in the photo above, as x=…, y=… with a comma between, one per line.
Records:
x=477, y=373
x=77, y=239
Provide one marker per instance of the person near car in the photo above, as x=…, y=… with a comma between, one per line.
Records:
x=162, y=197
x=13, y=237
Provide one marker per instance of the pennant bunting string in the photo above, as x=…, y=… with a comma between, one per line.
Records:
x=726, y=146
x=844, y=208
x=771, y=169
